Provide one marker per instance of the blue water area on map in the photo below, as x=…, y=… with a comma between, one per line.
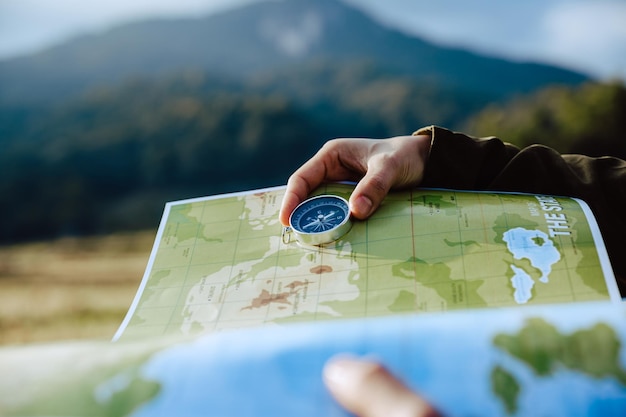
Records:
x=446, y=357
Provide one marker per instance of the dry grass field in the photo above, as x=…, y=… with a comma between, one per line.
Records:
x=71, y=288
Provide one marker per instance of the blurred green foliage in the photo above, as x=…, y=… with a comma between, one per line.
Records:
x=109, y=160
x=365, y=99
x=590, y=119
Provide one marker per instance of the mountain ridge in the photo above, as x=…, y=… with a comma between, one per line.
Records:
x=260, y=38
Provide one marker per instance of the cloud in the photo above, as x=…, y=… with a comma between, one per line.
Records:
x=587, y=35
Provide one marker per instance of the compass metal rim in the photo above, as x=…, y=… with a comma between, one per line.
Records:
x=326, y=236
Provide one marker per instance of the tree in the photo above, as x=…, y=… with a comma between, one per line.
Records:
x=588, y=119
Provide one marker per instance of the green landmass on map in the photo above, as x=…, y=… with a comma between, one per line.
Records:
x=506, y=388
x=507, y=221
x=221, y=262
x=585, y=268
x=461, y=243
x=105, y=390
x=540, y=345
x=594, y=352
x=436, y=203
x=437, y=277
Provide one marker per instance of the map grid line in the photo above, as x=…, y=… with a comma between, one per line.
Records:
x=188, y=266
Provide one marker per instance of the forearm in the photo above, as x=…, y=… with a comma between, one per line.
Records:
x=460, y=162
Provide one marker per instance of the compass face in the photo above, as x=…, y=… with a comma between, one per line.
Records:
x=321, y=219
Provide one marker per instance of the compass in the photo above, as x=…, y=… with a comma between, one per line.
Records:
x=321, y=219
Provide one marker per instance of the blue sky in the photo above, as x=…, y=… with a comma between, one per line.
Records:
x=585, y=35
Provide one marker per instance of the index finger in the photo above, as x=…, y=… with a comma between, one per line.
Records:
x=300, y=184
x=368, y=389
x=337, y=160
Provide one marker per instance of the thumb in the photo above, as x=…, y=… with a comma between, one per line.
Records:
x=367, y=389
x=373, y=188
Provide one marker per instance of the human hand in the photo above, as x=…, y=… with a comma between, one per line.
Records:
x=367, y=389
x=377, y=164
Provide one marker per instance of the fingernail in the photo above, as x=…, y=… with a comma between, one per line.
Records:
x=345, y=371
x=361, y=206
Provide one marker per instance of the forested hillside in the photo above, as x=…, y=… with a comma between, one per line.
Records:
x=590, y=119
x=111, y=159
x=97, y=133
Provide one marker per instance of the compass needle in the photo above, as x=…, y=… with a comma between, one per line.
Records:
x=312, y=224
x=329, y=215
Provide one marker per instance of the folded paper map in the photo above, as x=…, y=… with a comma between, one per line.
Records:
x=220, y=262
x=489, y=304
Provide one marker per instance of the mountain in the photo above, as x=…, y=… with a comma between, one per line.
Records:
x=97, y=133
x=110, y=159
x=259, y=39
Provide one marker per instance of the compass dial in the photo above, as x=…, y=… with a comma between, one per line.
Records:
x=321, y=219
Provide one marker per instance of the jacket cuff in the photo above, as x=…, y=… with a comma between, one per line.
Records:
x=460, y=161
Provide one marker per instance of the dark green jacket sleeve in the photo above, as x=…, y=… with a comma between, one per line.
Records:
x=461, y=162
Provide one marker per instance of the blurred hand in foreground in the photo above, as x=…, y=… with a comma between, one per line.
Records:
x=367, y=389
x=377, y=164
